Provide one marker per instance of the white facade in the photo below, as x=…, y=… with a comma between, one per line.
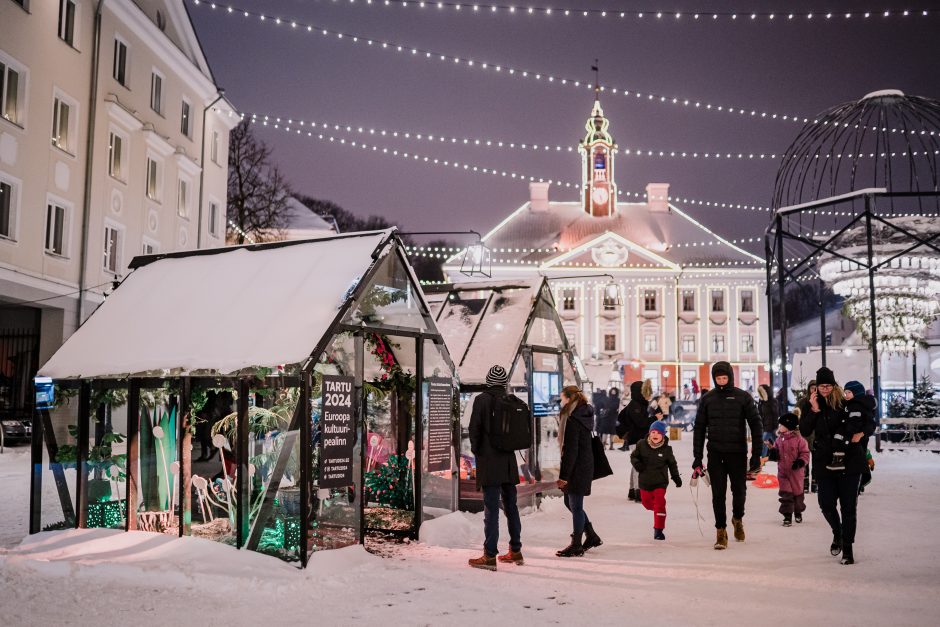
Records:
x=103, y=150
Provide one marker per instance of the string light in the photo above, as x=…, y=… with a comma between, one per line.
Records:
x=658, y=17
x=431, y=55
x=238, y=230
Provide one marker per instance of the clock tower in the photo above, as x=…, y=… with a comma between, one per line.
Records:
x=598, y=148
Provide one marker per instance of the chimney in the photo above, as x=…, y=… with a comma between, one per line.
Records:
x=657, y=197
x=538, y=197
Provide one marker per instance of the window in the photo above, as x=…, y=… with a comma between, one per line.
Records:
x=747, y=343
x=182, y=199
x=156, y=93
x=688, y=301
x=747, y=301
x=56, y=228
x=718, y=343
x=67, y=21
x=116, y=159
x=113, y=243
x=185, y=121
x=213, y=218
x=119, y=70
x=150, y=247
x=568, y=296
x=718, y=300
x=12, y=92
x=7, y=209
x=610, y=342
x=688, y=343
x=649, y=300
x=154, y=179
x=63, y=124
x=214, y=148
x=649, y=343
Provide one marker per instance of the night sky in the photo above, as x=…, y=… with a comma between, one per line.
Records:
x=800, y=67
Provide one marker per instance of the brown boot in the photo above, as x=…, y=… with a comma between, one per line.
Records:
x=512, y=557
x=484, y=561
x=721, y=543
x=738, y=529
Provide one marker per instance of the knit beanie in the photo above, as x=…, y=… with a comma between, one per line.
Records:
x=790, y=421
x=659, y=426
x=855, y=387
x=824, y=376
x=497, y=376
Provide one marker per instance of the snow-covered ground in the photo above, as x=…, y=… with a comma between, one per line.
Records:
x=778, y=576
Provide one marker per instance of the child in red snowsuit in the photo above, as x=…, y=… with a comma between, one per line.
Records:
x=655, y=462
x=792, y=454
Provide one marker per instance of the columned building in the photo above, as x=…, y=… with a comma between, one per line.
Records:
x=644, y=289
x=113, y=143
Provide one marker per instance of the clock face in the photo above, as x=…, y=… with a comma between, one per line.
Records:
x=599, y=196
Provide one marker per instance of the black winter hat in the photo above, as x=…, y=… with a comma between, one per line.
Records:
x=789, y=420
x=824, y=376
x=722, y=367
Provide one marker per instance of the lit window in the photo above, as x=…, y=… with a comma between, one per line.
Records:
x=185, y=121
x=156, y=93
x=67, y=21
x=12, y=90
x=119, y=69
x=649, y=343
x=747, y=302
x=116, y=156
x=154, y=179
x=63, y=119
x=718, y=343
x=113, y=243
x=688, y=343
x=747, y=343
x=718, y=300
x=182, y=204
x=56, y=228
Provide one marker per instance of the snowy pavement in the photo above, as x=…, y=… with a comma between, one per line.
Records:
x=778, y=576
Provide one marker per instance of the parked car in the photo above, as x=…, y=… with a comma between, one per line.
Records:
x=15, y=431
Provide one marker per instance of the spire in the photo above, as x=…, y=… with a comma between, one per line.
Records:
x=597, y=82
x=596, y=125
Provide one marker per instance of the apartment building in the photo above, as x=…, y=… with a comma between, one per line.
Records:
x=113, y=143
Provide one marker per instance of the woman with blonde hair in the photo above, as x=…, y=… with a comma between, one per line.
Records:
x=577, y=467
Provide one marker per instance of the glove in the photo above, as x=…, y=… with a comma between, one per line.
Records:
x=797, y=464
x=755, y=462
x=697, y=466
x=678, y=482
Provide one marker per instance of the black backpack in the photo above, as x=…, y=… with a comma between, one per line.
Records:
x=511, y=424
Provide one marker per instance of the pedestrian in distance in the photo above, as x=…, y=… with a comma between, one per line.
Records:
x=724, y=417
x=577, y=468
x=791, y=452
x=606, y=421
x=635, y=419
x=497, y=474
x=767, y=408
x=655, y=463
x=841, y=428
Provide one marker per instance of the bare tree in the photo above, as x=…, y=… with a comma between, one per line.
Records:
x=258, y=194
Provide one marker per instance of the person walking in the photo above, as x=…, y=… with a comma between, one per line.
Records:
x=791, y=453
x=767, y=408
x=606, y=422
x=725, y=414
x=842, y=429
x=655, y=462
x=635, y=420
x=809, y=478
x=497, y=475
x=577, y=468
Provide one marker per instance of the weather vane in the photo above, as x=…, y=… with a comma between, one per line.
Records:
x=597, y=83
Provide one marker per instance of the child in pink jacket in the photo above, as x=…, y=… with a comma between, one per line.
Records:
x=792, y=454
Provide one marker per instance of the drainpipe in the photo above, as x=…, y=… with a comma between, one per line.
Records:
x=202, y=165
x=89, y=160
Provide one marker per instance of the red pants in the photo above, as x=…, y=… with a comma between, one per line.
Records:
x=655, y=500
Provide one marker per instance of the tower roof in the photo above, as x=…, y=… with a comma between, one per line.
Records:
x=596, y=126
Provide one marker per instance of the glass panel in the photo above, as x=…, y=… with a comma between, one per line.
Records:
x=335, y=511
x=544, y=329
x=107, y=459
x=213, y=471
x=158, y=463
x=546, y=391
x=58, y=470
x=438, y=494
x=460, y=318
x=390, y=299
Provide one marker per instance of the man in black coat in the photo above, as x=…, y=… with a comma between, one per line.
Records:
x=724, y=416
x=497, y=475
x=635, y=421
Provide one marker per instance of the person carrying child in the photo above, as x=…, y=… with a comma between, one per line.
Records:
x=791, y=453
x=655, y=463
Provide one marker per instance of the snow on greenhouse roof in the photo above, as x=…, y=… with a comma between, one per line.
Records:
x=219, y=311
x=483, y=323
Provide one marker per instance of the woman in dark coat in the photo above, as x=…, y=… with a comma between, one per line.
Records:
x=577, y=467
x=767, y=408
x=606, y=423
x=841, y=433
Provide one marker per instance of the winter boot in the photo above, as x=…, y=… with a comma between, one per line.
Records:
x=787, y=520
x=738, y=529
x=575, y=549
x=798, y=517
x=836, y=547
x=721, y=542
x=813, y=487
x=484, y=561
x=658, y=534
x=511, y=557
x=591, y=539
x=631, y=495
x=847, y=556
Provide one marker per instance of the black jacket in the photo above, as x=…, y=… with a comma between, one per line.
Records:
x=857, y=415
x=577, y=454
x=724, y=416
x=494, y=467
x=634, y=419
x=654, y=465
x=767, y=408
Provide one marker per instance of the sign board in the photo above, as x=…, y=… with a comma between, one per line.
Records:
x=440, y=421
x=337, y=432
